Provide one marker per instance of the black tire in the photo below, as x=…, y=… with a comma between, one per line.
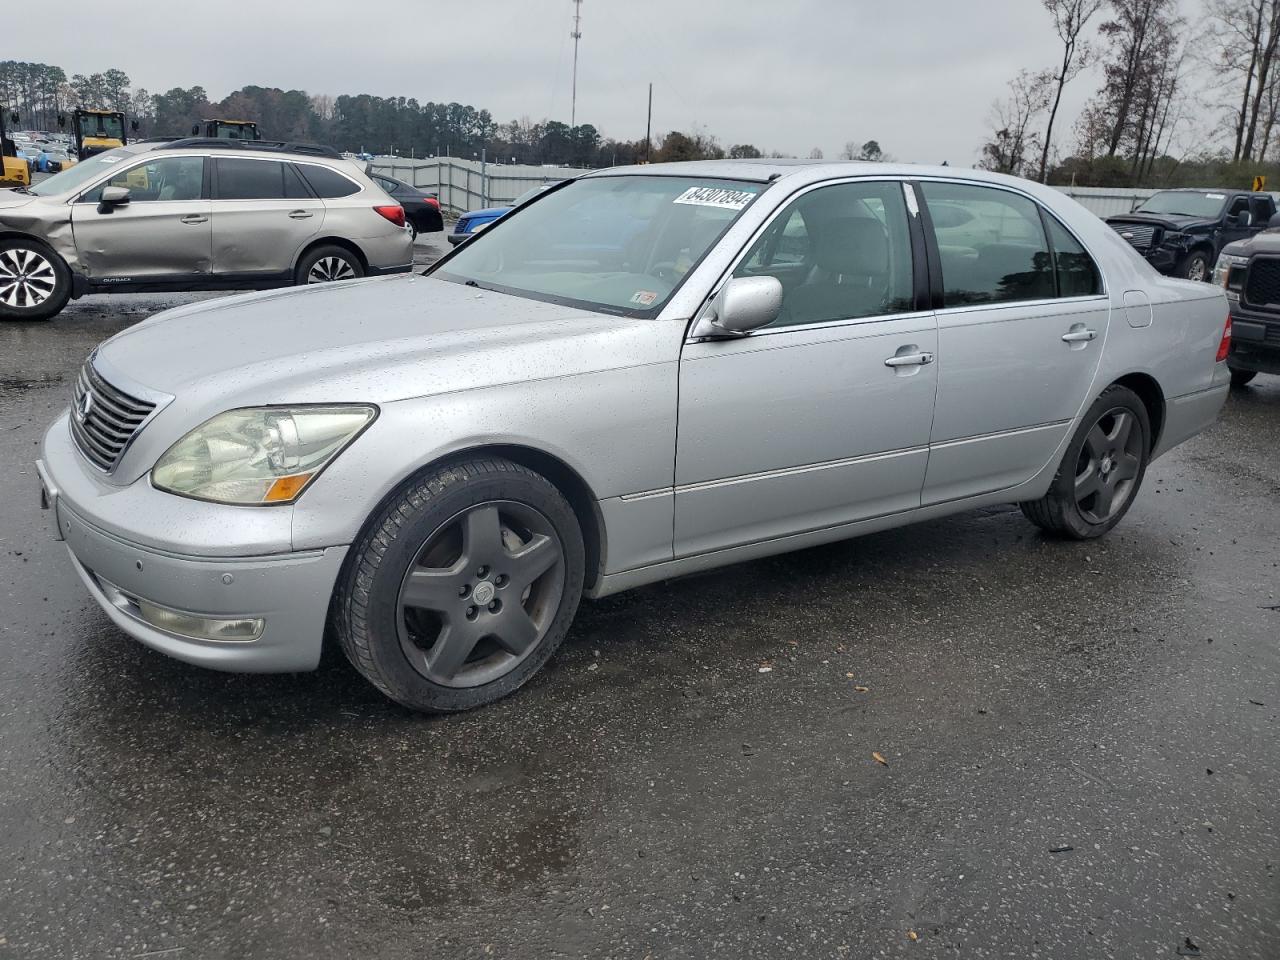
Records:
x=413, y=229
x=409, y=547
x=1240, y=378
x=35, y=283
x=326, y=264
x=1100, y=469
x=1196, y=266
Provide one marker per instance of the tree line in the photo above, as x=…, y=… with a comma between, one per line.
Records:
x=1186, y=96
x=41, y=94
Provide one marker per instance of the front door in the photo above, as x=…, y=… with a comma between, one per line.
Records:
x=1019, y=336
x=162, y=233
x=263, y=215
x=823, y=417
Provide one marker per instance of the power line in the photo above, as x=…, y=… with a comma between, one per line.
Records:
x=577, y=35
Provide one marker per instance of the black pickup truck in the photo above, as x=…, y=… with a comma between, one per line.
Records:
x=1250, y=272
x=1181, y=232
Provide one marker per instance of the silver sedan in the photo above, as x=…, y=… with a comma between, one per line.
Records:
x=644, y=373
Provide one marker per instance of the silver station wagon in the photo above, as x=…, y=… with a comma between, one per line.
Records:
x=643, y=373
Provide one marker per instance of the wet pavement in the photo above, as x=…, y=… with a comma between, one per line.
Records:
x=1081, y=747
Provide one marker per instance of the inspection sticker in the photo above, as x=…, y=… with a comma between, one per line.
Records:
x=112, y=159
x=716, y=197
x=1215, y=196
x=644, y=297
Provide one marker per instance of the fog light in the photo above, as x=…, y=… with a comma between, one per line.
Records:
x=191, y=626
x=196, y=627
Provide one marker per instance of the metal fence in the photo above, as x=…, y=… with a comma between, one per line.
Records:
x=464, y=185
x=470, y=184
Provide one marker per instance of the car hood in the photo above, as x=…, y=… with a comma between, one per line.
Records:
x=1167, y=220
x=1268, y=241
x=488, y=213
x=374, y=340
x=12, y=199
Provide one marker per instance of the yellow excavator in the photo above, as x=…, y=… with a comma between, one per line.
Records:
x=227, y=130
x=14, y=171
x=97, y=131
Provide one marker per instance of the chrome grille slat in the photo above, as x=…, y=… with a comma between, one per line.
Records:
x=1140, y=236
x=113, y=418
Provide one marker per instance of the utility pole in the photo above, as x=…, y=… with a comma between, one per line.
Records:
x=648, y=125
x=577, y=35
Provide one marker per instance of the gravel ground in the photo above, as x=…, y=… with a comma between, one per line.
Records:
x=1080, y=744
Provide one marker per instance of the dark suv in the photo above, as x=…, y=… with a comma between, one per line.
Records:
x=1250, y=272
x=1181, y=232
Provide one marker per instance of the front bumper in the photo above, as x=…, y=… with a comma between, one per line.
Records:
x=289, y=592
x=1255, y=340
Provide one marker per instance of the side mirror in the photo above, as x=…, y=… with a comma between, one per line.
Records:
x=742, y=305
x=114, y=196
x=1274, y=222
x=1244, y=218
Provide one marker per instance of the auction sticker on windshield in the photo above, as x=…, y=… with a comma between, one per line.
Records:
x=721, y=197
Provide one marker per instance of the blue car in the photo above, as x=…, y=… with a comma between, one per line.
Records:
x=473, y=222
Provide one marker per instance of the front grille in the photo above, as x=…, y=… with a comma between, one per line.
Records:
x=1141, y=237
x=1262, y=283
x=104, y=418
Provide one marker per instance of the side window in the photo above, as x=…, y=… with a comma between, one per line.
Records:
x=991, y=243
x=166, y=178
x=1238, y=206
x=1263, y=208
x=1077, y=274
x=842, y=252
x=250, y=179
x=294, y=186
x=327, y=183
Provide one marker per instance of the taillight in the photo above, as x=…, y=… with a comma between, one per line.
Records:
x=393, y=213
x=1225, y=346
x=432, y=201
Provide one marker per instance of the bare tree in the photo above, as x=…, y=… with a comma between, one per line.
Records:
x=1070, y=17
x=1246, y=37
x=1133, y=33
x=1012, y=141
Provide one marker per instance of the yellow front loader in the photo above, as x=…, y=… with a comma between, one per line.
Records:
x=14, y=171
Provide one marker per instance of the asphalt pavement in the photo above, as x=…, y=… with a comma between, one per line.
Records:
x=1079, y=747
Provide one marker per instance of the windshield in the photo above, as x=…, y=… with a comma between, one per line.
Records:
x=1185, y=203
x=75, y=177
x=616, y=244
x=101, y=125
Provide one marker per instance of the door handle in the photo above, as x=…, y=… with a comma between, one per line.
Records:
x=195, y=218
x=300, y=214
x=1079, y=336
x=910, y=360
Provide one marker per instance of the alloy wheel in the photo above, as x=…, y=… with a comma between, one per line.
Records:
x=481, y=594
x=1108, y=466
x=27, y=278
x=327, y=269
x=1198, y=269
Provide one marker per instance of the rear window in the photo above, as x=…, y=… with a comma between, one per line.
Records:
x=328, y=183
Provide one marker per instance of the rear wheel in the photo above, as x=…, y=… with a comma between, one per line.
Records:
x=1101, y=471
x=462, y=587
x=1241, y=377
x=326, y=264
x=35, y=283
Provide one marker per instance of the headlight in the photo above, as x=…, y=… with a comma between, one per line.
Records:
x=258, y=455
x=1222, y=271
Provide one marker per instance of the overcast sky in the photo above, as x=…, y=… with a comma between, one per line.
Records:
x=919, y=76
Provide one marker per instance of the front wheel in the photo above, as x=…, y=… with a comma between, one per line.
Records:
x=1101, y=471
x=35, y=283
x=1195, y=266
x=462, y=586
x=1240, y=378
x=326, y=264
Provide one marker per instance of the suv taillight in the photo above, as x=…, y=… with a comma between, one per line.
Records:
x=1225, y=346
x=394, y=213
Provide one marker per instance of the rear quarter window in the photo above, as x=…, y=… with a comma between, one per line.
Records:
x=328, y=184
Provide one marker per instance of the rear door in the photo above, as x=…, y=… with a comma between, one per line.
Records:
x=263, y=215
x=162, y=233
x=1020, y=334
